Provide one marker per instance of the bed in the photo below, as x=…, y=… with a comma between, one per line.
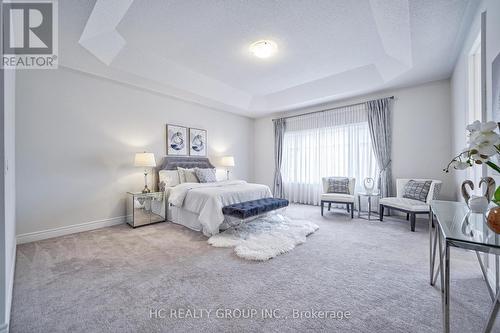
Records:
x=198, y=206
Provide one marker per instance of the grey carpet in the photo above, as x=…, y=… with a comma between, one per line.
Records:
x=107, y=280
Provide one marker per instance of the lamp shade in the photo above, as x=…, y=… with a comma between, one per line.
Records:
x=227, y=161
x=145, y=160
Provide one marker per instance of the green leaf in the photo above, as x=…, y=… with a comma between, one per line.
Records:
x=493, y=166
x=496, y=196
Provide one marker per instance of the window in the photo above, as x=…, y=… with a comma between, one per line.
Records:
x=325, y=145
x=475, y=99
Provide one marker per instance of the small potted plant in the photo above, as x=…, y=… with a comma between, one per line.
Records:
x=483, y=147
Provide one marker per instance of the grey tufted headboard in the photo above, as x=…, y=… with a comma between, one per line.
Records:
x=188, y=162
x=172, y=162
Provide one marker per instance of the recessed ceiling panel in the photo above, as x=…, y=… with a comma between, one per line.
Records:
x=199, y=50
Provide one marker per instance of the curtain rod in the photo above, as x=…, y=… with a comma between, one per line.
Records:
x=337, y=107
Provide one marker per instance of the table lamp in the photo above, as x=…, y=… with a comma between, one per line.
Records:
x=227, y=162
x=145, y=160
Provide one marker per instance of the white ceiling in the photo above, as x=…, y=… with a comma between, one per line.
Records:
x=197, y=50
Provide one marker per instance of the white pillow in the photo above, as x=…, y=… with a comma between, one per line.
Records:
x=168, y=178
x=187, y=175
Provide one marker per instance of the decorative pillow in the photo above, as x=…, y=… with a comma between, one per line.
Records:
x=168, y=178
x=338, y=185
x=187, y=175
x=417, y=190
x=205, y=175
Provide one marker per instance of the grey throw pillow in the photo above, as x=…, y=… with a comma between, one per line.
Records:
x=417, y=190
x=205, y=175
x=338, y=185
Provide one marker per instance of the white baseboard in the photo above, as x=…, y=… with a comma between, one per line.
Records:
x=71, y=229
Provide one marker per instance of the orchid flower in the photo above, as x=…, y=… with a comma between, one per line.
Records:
x=483, y=144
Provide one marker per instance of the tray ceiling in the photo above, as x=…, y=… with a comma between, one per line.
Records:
x=198, y=50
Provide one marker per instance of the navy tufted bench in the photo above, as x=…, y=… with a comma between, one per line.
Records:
x=251, y=208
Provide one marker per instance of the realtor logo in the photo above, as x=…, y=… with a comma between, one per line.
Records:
x=29, y=34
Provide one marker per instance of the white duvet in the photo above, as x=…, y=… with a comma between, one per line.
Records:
x=207, y=199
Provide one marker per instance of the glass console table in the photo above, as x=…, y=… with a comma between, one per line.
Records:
x=452, y=224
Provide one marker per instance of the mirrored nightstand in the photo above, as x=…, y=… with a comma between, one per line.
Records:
x=144, y=208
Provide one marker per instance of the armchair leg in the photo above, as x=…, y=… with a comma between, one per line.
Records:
x=352, y=211
x=329, y=206
x=381, y=212
x=412, y=222
x=322, y=206
x=407, y=216
x=348, y=205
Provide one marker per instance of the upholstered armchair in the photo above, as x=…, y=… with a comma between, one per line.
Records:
x=411, y=207
x=338, y=198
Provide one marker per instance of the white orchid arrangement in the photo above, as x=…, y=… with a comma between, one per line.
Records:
x=483, y=144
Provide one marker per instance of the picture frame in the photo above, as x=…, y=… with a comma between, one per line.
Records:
x=198, y=142
x=177, y=140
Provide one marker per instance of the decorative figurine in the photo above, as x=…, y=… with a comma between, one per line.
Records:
x=369, y=185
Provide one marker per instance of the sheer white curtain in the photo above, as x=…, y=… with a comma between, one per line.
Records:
x=331, y=143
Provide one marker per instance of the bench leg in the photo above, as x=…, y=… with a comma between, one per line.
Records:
x=329, y=206
x=412, y=222
x=322, y=203
x=407, y=216
x=381, y=212
x=352, y=211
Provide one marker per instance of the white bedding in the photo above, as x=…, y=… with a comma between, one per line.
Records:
x=207, y=199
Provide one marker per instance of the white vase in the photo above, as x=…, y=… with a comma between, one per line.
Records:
x=478, y=204
x=369, y=185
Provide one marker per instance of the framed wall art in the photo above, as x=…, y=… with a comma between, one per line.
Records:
x=197, y=142
x=177, y=140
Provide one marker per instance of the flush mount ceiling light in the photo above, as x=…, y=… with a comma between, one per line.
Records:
x=264, y=48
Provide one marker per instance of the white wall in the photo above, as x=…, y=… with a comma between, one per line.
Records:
x=76, y=139
x=459, y=91
x=421, y=135
x=8, y=211
x=459, y=81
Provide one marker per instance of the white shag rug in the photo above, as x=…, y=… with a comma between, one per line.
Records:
x=265, y=237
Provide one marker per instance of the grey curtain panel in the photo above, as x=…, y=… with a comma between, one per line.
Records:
x=379, y=122
x=279, y=133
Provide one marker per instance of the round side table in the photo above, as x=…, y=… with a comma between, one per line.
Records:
x=369, y=197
